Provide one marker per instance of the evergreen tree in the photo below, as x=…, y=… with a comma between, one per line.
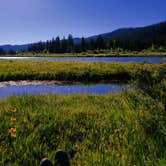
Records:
x=2, y=51
x=100, y=42
x=57, y=45
x=77, y=48
x=83, y=45
x=53, y=46
x=11, y=52
x=70, y=44
x=63, y=45
x=92, y=45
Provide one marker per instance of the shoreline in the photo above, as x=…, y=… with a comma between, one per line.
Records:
x=90, y=55
x=54, y=82
x=28, y=82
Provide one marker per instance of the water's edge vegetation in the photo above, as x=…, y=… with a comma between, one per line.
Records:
x=96, y=53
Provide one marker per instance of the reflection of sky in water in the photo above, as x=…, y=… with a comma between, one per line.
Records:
x=105, y=59
x=60, y=89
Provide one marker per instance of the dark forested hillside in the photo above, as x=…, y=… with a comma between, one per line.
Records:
x=152, y=32
x=131, y=39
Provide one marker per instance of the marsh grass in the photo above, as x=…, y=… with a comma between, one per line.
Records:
x=72, y=70
x=114, y=129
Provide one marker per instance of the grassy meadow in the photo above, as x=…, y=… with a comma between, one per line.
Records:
x=116, y=129
x=72, y=70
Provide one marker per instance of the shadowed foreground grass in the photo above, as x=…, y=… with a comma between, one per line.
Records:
x=72, y=70
x=116, y=129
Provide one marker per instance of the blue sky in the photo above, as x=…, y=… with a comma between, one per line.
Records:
x=25, y=21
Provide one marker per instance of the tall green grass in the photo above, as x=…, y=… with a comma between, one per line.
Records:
x=116, y=129
x=72, y=70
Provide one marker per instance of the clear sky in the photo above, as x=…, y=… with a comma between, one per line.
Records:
x=25, y=21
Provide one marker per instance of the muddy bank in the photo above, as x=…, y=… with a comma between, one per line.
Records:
x=35, y=82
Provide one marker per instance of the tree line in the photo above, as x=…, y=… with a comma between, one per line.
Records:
x=69, y=45
x=9, y=52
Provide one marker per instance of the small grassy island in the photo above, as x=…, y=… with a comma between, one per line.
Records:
x=72, y=70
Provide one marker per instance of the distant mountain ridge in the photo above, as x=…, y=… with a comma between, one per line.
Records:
x=148, y=33
x=140, y=33
x=14, y=47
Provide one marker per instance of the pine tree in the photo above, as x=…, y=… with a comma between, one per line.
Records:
x=57, y=45
x=100, y=42
x=2, y=51
x=63, y=45
x=83, y=45
x=70, y=44
x=92, y=44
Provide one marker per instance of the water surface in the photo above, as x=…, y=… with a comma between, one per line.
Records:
x=154, y=59
x=18, y=89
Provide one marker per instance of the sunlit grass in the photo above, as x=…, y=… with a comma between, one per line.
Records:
x=114, y=129
x=71, y=70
